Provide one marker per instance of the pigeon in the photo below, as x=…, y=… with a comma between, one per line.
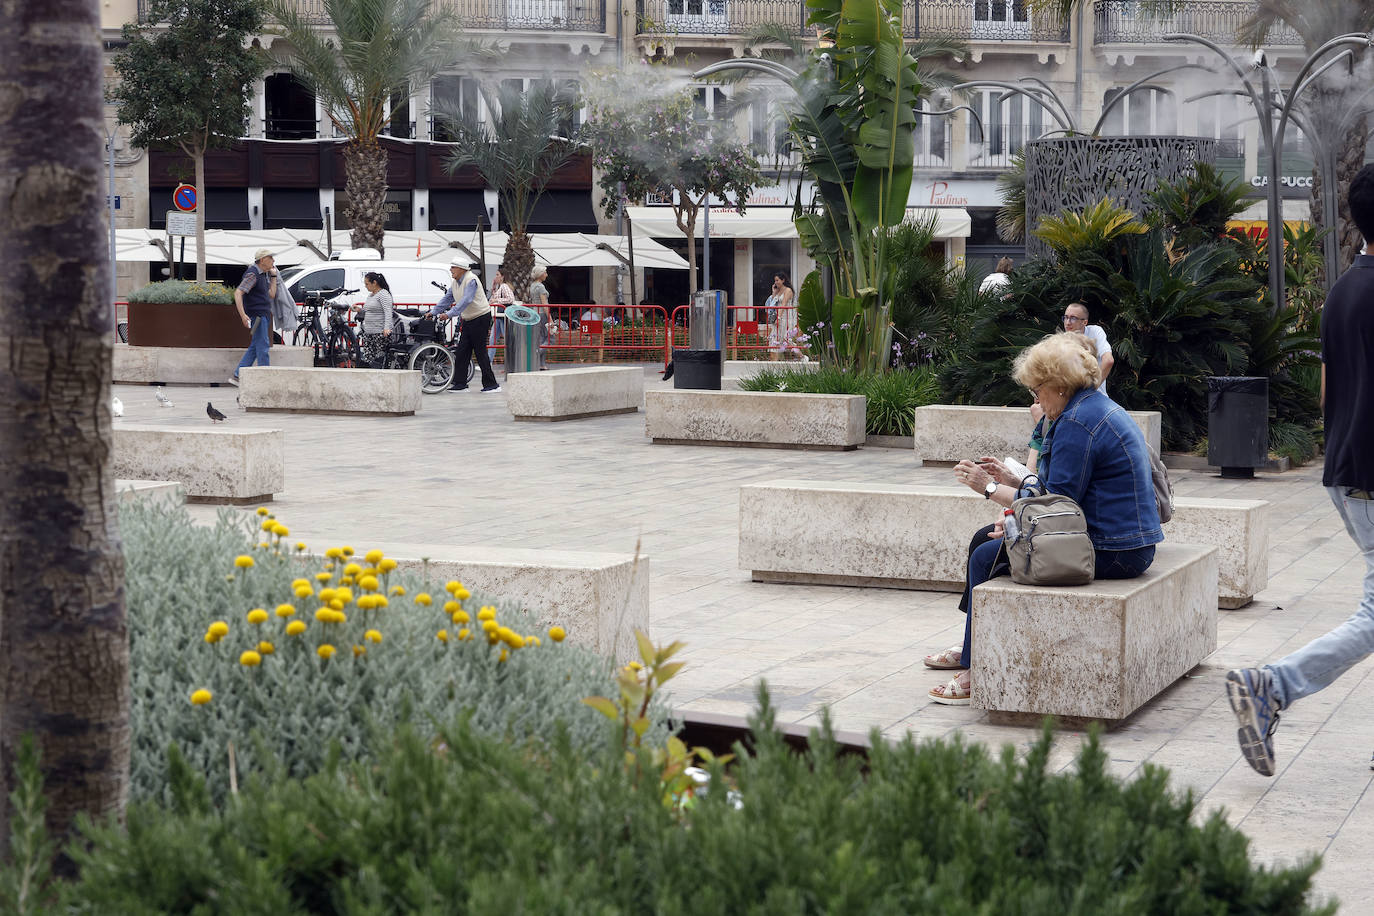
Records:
x=117, y=406
x=668, y=372
x=214, y=415
x=162, y=399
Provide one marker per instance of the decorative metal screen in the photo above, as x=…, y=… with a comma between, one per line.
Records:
x=1072, y=173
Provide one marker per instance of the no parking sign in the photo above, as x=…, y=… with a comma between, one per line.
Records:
x=184, y=198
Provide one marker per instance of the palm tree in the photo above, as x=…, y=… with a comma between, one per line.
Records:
x=64, y=640
x=381, y=49
x=517, y=153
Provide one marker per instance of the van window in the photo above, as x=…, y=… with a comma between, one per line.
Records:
x=326, y=278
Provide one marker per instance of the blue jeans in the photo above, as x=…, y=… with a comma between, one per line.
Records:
x=1320, y=662
x=497, y=326
x=984, y=564
x=259, y=346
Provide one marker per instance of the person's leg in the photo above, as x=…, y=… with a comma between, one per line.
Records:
x=980, y=537
x=497, y=324
x=543, y=337
x=981, y=565
x=480, y=329
x=461, y=356
x=255, y=354
x=1122, y=564
x=265, y=347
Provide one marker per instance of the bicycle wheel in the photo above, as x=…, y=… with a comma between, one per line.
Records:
x=343, y=350
x=435, y=365
x=305, y=336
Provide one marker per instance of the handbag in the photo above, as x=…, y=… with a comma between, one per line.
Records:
x=1051, y=546
x=1164, y=491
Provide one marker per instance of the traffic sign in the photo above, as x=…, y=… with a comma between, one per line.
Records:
x=181, y=223
x=184, y=198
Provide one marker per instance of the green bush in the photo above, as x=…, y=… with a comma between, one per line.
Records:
x=480, y=826
x=174, y=292
x=892, y=396
x=293, y=705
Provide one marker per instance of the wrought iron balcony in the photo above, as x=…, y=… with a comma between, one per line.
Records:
x=500, y=15
x=1124, y=22
x=968, y=20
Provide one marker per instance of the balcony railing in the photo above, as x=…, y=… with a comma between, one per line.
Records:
x=968, y=20
x=1124, y=22
x=560, y=15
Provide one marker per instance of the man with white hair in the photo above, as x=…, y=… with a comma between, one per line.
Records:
x=253, y=298
x=466, y=299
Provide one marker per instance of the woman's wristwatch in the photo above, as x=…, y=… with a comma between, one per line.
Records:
x=990, y=489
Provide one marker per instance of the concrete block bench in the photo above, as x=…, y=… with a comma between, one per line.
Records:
x=1097, y=651
x=755, y=418
x=907, y=536
x=166, y=492
x=212, y=464
x=945, y=433
x=369, y=392
x=571, y=394
x=599, y=598
x=193, y=365
x=744, y=368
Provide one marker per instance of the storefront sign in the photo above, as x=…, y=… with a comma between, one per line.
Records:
x=954, y=192
x=1287, y=181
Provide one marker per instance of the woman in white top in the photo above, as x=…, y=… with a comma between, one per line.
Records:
x=782, y=318
x=501, y=296
x=376, y=326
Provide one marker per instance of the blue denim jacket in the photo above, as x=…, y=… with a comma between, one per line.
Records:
x=1099, y=458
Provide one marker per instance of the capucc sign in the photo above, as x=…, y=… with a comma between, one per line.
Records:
x=1287, y=181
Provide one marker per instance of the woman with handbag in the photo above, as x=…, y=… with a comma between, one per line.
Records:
x=1095, y=455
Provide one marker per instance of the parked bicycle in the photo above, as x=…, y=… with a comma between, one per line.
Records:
x=335, y=346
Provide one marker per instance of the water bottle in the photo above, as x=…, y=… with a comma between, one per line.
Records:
x=1011, y=532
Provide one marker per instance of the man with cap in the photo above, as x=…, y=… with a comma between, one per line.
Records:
x=253, y=298
x=466, y=299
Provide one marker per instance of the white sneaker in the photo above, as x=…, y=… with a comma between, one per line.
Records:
x=234, y=380
x=491, y=389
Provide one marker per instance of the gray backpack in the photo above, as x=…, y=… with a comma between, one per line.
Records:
x=1051, y=546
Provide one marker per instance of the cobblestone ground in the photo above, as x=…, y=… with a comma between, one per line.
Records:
x=461, y=472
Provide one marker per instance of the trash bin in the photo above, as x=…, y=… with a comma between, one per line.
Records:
x=700, y=366
x=522, y=339
x=1237, y=424
x=697, y=369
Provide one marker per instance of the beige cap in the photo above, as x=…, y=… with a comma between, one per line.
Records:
x=463, y=262
x=261, y=253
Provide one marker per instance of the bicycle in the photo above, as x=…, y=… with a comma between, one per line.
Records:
x=336, y=347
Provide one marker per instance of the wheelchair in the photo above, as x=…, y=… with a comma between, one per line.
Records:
x=420, y=344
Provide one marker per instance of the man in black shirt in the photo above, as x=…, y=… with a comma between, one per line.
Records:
x=1257, y=694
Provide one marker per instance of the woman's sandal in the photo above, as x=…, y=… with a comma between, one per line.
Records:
x=947, y=660
x=952, y=694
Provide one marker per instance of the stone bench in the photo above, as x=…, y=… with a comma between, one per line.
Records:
x=599, y=598
x=755, y=418
x=193, y=365
x=1097, y=651
x=368, y=392
x=571, y=394
x=945, y=433
x=744, y=368
x=212, y=464
x=165, y=492
x=910, y=536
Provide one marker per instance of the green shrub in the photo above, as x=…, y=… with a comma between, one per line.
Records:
x=892, y=396
x=294, y=705
x=479, y=826
x=173, y=292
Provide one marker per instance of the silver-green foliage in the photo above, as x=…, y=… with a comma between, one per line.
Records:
x=292, y=711
x=175, y=292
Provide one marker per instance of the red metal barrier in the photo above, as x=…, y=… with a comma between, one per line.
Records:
x=605, y=333
x=749, y=334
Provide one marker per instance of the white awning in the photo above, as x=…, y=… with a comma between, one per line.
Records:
x=775, y=222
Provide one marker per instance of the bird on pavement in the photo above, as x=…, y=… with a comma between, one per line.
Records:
x=117, y=406
x=162, y=399
x=214, y=415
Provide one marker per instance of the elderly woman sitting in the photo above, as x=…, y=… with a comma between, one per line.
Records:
x=1094, y=453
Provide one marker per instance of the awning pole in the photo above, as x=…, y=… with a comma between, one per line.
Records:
x=630, y=240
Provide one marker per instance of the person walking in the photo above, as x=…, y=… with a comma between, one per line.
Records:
x=501, y=296
x=1257, y=695
x=539, y=298
x=998, y=278
x=466, y=299
x=253, y=298
x=377, y=312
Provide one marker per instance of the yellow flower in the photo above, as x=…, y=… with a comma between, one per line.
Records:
x=297, y=583
x=281, y=530
x=347, y=551
x=366, y=603
x=323, y=614
x=263, y=545
x=492, y=638
x=303, y=591
x=373, y=636
x=490, y=626
x=516, y=641
x=486, y=613
x=461, y=617
x=442, y=636
x=219, y=628
x=340, y=617
x=379, y=601
x=505, y=654
x=333, y=553
x=295, y=628
x=452, y=586
x=250, y=659
x=343, y=594
x=243, y=561
x=398, y=590
x=262, y=510
x=505, y=634
x=462, y=594
x=359, y=650
x=211, y=638
x=268, y=524
x=336, y=604
x=285, y=610
x=387, y=565
x=326, y=595
x=368, y=583
x=423, y=599
x=635, y=666
x=464, y=634
x=323, y=577
x=532, y=641
x=452, y=607
x=368, y=572
x=266, y=648
x=325, y=651
x=373, y=557
x=201, y=697
x=346, y=580
x=557, y=634
x=257, y=615
x=300, y=545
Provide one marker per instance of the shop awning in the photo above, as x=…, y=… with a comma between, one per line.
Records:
x=775, y=222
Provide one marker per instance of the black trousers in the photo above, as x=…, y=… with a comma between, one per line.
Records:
x=472, y=344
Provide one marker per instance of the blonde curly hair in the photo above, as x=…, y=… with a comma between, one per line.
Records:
x=1066, y=361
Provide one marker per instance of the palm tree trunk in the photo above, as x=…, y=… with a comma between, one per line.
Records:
x=518, y=263
x=64, y=643
x=1349, y=160
x=365, y=162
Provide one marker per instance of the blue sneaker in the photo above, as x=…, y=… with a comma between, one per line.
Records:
x=1248, y=690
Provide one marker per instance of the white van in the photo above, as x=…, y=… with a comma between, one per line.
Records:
x=411, y=282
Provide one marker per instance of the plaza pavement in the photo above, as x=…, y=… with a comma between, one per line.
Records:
x=461, y=472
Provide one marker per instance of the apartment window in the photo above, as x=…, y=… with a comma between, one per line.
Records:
x=1007, y=127
x=1146, y=111
x=290, y=108
x=931, y=133
x=1001, y=19
x=454, y=95
x=711, y=102
x=698, y=15
x=401, y=124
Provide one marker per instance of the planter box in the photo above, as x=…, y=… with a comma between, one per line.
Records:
x=193, y=366
x=755, y=418
x=214, y=465
x=364, y=392
x=149, y=491
x=946, y=433
x=186, y=324
x=571, y=394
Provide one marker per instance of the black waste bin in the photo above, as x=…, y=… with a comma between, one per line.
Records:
x=1237, y=424
x=697, y=369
